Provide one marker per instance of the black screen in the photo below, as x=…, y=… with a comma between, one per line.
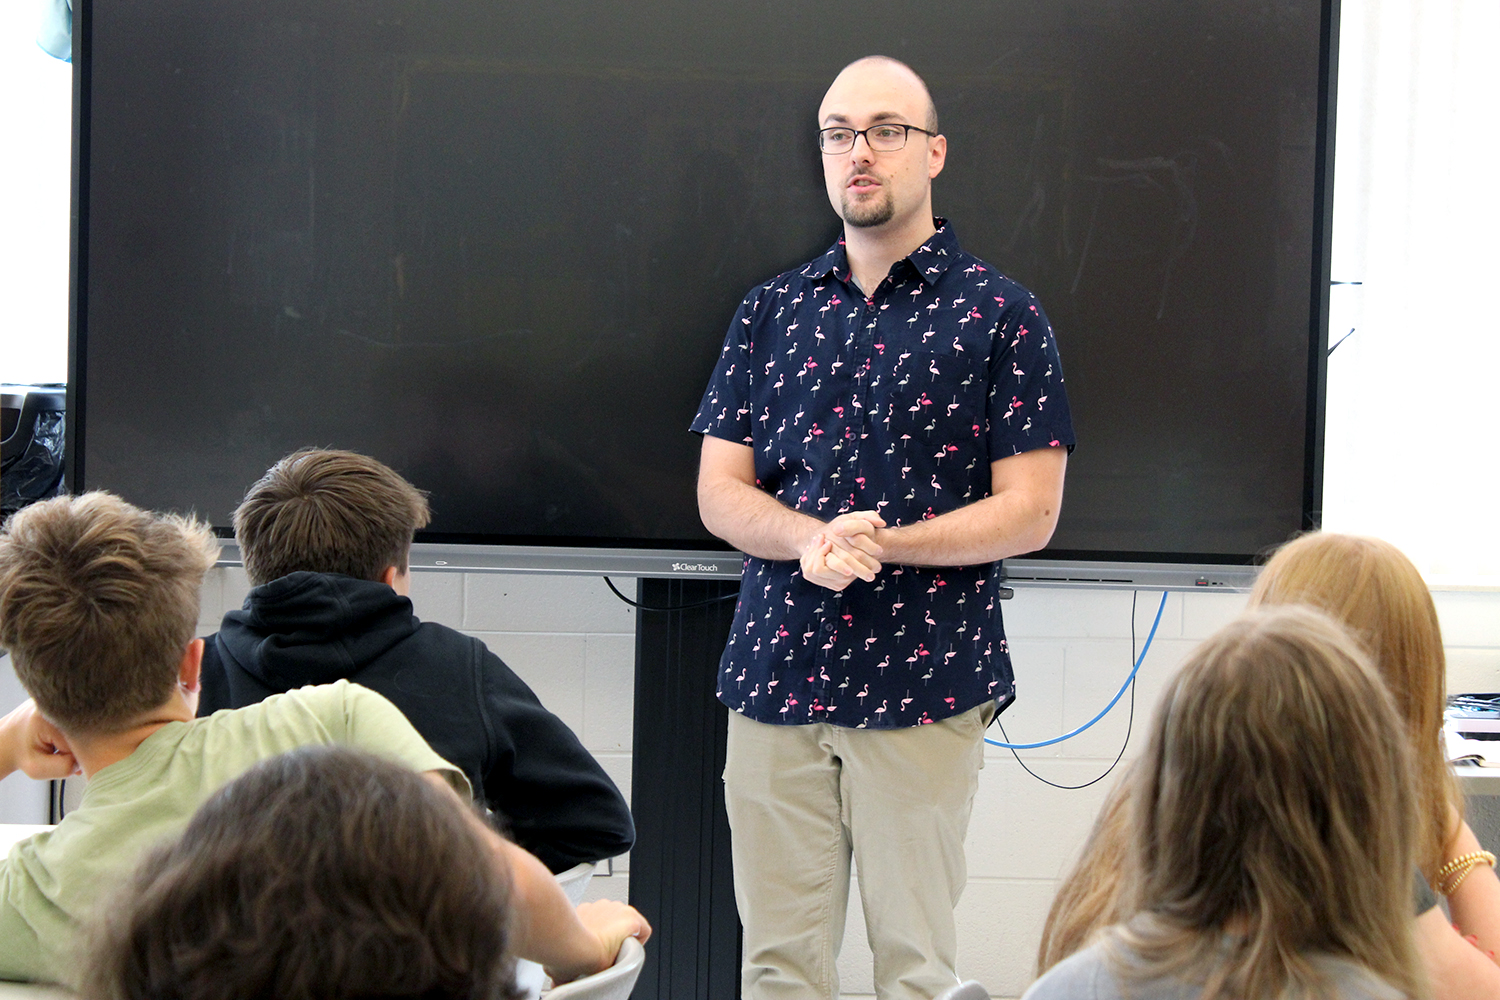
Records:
x=497, y=245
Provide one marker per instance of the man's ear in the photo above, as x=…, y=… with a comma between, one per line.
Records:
x=190, y=670
x=937, y=155
x=389, y=577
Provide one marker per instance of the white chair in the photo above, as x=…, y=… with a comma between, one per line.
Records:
x=575, y=881
x=614, y=983
x=970, y=990
x=13, y=833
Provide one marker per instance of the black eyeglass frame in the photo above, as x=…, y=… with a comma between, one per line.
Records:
x=905, y=136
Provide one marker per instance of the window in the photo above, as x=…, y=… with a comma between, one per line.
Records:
x=35, y=175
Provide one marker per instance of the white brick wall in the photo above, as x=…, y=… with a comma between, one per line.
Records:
x=573, y=641
x=21, y=799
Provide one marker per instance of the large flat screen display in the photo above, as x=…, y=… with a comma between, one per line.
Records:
x=497, y=245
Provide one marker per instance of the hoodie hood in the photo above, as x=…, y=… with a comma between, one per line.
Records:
x=314, y=628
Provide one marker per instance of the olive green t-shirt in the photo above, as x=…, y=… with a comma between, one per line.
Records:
x=50, y=882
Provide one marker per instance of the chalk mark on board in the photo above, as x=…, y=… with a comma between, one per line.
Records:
x=486, y=338
x=1088, y=239
x=1031, y=212
x=1178, y=172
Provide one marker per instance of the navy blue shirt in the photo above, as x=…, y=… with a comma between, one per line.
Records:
x=898, y=403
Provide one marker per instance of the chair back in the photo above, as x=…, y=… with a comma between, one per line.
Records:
x=575, y=881
x=614, y=983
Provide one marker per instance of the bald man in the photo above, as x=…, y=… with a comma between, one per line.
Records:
x=886, y=423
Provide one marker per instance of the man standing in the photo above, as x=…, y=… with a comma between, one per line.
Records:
x=885, y=424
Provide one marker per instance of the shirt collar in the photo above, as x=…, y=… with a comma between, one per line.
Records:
x=929, y=260
x=935, y=256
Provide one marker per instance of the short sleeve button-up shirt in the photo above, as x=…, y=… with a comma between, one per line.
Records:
x=898, y=403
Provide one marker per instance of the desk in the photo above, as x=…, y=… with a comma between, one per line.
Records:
x=1481, y=788
x=33, y=991
x=14, y=833
x=1476, y=780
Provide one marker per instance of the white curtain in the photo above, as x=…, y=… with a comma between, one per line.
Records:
x=1413, y=431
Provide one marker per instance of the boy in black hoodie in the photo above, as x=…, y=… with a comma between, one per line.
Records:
x=325, y=536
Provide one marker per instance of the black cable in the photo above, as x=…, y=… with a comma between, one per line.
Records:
x=1129, y=723
x=676, y=607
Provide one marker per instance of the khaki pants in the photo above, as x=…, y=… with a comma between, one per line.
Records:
x=801, y=800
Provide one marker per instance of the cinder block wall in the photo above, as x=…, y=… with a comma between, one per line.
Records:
x=573, y=641
x=568, y=637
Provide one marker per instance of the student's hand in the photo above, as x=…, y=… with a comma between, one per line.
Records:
x=611, y=923
x=31, y=744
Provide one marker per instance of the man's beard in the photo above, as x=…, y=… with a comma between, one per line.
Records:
x=868, y=213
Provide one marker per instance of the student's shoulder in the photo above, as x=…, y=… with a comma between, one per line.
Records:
x=1084, y=974
x=342, y=695
x=342, y=712
x=316, y=706
x=439, y=635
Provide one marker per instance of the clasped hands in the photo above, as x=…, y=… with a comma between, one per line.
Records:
x=844, y=550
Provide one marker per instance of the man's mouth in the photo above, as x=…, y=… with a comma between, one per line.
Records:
x=863, y=182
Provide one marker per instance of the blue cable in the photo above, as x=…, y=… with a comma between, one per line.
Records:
x=1112, y=702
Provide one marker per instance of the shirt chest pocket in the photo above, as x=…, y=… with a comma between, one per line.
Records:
x=936, y=394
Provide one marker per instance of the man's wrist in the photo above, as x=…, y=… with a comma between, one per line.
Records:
x=889, y=540
x=811, y=531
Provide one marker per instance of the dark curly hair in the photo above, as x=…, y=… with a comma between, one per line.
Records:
x=322, y=874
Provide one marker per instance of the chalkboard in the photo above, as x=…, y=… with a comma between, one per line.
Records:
x=497, y=244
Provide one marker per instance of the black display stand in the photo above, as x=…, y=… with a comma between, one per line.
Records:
x=680, y=873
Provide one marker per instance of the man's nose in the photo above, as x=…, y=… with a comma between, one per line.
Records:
x=854, y=151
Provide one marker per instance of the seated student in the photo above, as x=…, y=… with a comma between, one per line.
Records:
x=1270, y=831
x=1374, y=591
x=98, y=603
x=325, y=536
x=1368, y=586
x=322, y=874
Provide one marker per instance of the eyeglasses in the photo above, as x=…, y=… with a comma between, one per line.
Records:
x=886, y=137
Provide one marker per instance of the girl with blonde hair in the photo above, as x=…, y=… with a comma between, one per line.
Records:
x=1270, y=831
x=1375, y=592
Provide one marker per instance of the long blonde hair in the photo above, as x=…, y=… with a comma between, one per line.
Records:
x=1271, y=819
x=1370, y=587
x=1088, y=898
x=1377, y=594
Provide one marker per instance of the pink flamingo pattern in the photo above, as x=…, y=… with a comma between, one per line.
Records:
x=898, y=402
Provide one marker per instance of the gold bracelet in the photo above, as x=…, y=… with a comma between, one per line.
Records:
x=1463, y=860
x=1452, y=875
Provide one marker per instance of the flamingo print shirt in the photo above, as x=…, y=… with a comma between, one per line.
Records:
x=898, y=403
